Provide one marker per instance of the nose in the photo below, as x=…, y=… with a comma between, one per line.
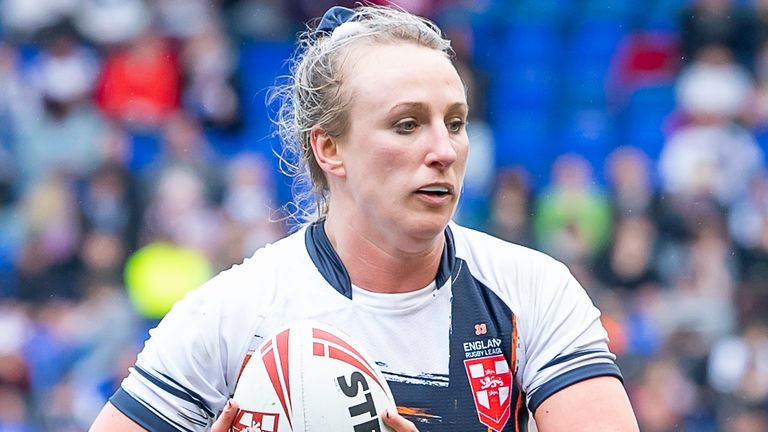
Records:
x=442, y=152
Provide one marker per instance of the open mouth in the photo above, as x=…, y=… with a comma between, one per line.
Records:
x=437, y=191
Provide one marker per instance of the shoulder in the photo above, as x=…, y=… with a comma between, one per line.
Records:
x=248, y=287
x=492, y=259
x=264, y=264
x=528, y=281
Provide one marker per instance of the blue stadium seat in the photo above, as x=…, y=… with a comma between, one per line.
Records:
x=614, y=10
x=145, y=148
x=530, y=44
x=10, y=243
x=663, y=15
x=524, y=138
x=590, y=133
x=585, y=85
x=260, y=63
x=596, y=41
x=552, y=11
x=643, y=118
x=526, y=87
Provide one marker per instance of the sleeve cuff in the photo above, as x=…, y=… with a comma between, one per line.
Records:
x=572, y=377
x=142, y=415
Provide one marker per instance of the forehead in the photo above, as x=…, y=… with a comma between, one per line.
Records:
x=386, y=73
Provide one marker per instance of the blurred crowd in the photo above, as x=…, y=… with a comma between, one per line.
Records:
x=136, y=161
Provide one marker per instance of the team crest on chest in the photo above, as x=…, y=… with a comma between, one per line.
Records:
x=491, y=381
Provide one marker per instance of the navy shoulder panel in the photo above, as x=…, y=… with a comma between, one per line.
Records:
x=570, y=378
x=143, y=416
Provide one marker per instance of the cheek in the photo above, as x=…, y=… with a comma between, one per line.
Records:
x=462, y=152
x=389, y=159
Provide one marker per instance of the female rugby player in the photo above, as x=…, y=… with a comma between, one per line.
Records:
x=471, y=332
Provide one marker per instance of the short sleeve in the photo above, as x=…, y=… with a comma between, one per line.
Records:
x=563, y=338
x=186, y=371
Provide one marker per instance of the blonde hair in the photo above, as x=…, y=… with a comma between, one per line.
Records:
x=313, y=93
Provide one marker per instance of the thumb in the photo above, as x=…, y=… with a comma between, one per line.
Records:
x=224, y=422
x=398, y=422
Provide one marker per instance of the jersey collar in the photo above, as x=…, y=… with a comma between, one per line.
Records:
x=330, y=266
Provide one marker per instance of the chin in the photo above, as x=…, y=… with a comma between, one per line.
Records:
x=429, y=226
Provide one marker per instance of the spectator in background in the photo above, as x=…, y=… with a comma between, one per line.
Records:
x=140, y=84
x=184, y=145
x=208, y=66
x=181, y=235
x=112, y=23
x=758, y=114
x=738, y=365
x=259, y=19
x=746, y=419
x=711, y=157
x=17, y=106
x=717, y=22
x=663, y=396
x=573, y=216
x=760, y=11
x=510, y=214
x=48, y=265
x=15, y=326
x=748, y=216
x=64, y=139
x=703, y=285
x=184, y=19
x=628, y=264
x=248, y=206
x=629, y=183
x=104, y=326
x=18, y=101
x=110, y=207
x=24, y=20
x=748, y=226
x=180, y=212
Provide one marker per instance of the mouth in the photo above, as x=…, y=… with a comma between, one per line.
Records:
x=435, y=191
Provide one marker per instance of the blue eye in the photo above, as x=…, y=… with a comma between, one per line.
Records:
x=406, y=126
x=456, y=125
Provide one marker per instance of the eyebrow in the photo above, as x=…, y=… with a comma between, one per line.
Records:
x=420, y=106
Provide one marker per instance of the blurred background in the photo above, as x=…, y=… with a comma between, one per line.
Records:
x=624, y=137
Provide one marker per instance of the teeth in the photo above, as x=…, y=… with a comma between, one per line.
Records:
x=439, y=189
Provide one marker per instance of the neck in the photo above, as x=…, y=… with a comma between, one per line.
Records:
x=376, y=263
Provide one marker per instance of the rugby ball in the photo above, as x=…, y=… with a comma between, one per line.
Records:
x=311, y=377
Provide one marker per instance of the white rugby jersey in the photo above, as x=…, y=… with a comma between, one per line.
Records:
x=501, y=328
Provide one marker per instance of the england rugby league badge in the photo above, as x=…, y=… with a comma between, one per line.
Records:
x=491, y=381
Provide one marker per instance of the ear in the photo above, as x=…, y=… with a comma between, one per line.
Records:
x=326, y=150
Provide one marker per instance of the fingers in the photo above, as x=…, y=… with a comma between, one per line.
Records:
x=398, y=422
x=224, y=422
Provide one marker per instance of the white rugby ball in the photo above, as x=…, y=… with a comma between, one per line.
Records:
x=310, y=377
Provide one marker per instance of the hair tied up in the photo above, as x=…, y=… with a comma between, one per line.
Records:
x=333, y=17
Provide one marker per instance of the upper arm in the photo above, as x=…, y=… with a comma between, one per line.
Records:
x=110, y=419
x=563, y=339
x=595, y=405
x=188, y=367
